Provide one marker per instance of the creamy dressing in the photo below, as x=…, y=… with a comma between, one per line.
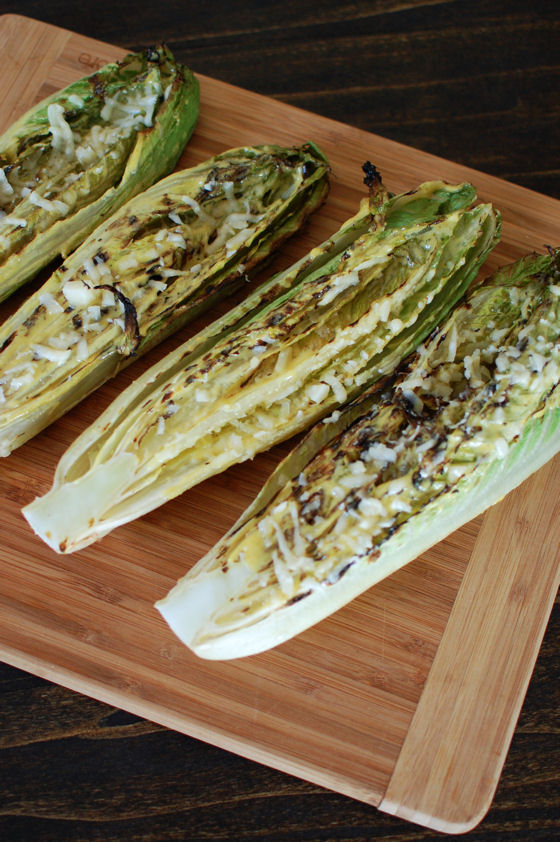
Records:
x=347, y=500
x=80, y=313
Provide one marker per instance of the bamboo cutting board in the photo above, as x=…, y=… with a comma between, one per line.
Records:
x=405, y=699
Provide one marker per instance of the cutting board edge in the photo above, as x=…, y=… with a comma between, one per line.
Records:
x=160, y=715
x=421, y=803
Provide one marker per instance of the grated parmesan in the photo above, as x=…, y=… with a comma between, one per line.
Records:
x=338, y=285
x=53, y=355
x=78, y=293
x=379, y=452
x=129, y=261
x=82, y=350
x=317, y=392
x=338, y=389
x=16, y=221
x=50, y=303
x=54, y=206
x=62, y=137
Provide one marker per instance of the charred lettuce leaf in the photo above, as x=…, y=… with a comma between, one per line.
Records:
x=170, y=253
x=475, y=412
x=303, y=344
x=78, y=155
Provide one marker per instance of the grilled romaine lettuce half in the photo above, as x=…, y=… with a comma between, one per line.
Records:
x=475, y=412
x=169, y=253
x=305, y=342
x=74, y=158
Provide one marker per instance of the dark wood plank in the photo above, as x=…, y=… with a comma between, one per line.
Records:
x=73, y=769
x=474, y=82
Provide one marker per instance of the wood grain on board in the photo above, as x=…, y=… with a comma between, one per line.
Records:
x=405, y=699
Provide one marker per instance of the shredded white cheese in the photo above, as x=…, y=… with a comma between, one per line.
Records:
x=372, y=507
x=78, y=294
x=383, y=309
x=317, y=392
x=129, y=261
x=176, y=239
x=62, y=137
x=400, y=506
x=333, y=418
x=85, y=155
x=82, y=350
x=338, y=285
x=415, y=402
x=50, y=303
x=192, y=203
x=379, y=452
x=130, y=110
x=108, y=298
x=54, y=206
x=53, y=355
x=16, y=221
x=338, y=389
x=63, y=340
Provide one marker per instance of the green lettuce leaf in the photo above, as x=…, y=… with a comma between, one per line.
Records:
x=472, y=415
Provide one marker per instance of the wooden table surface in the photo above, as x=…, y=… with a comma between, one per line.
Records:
x=475, y=82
